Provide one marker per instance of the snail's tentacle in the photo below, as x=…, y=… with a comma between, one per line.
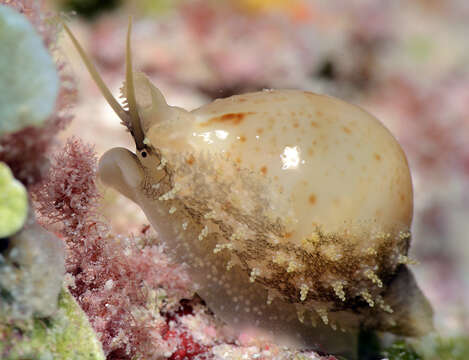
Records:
x=98, y=80
x=135, y=123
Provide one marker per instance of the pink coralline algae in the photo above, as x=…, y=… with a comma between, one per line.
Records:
x=121, y=284
x=26, y=151
x=69, y=195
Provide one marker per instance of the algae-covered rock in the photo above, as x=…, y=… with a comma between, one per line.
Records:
x=13, y=201
x=29, y=81
x=65, y=336
x=31, y=273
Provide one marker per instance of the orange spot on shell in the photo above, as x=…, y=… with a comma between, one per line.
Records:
x=242, y=138
x=259, y=131
x=234, y=118
x=346, y=130
x=238, y=160
x=314, y=124
x=312, y=199
x=296, y=125
x=377, y=156
x=190, y=160
x=264, y=170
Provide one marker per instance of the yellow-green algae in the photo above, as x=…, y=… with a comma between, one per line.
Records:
x=13, y=203
x=67, y=335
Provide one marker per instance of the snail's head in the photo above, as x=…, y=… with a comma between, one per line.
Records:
x=149, y=119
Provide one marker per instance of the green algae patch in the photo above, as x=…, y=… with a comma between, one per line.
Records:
x=400, y=350
x=65, y=336
x=431, y=347
x=29, y=82
x=439, y=347
x=13, y=203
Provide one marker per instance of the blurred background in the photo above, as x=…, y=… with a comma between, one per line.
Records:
x=406, y=62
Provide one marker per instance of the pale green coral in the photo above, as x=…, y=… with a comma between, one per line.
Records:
x=65, y=336
x=13, y=202
x=29, y=81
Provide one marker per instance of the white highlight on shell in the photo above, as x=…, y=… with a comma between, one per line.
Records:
x=206, y=136
x=172, y=210
x=221, y=134
x=290, y=157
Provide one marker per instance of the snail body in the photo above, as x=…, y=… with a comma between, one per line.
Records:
x=290, y=208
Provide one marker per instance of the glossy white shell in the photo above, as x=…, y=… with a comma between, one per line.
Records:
x=332, y=162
